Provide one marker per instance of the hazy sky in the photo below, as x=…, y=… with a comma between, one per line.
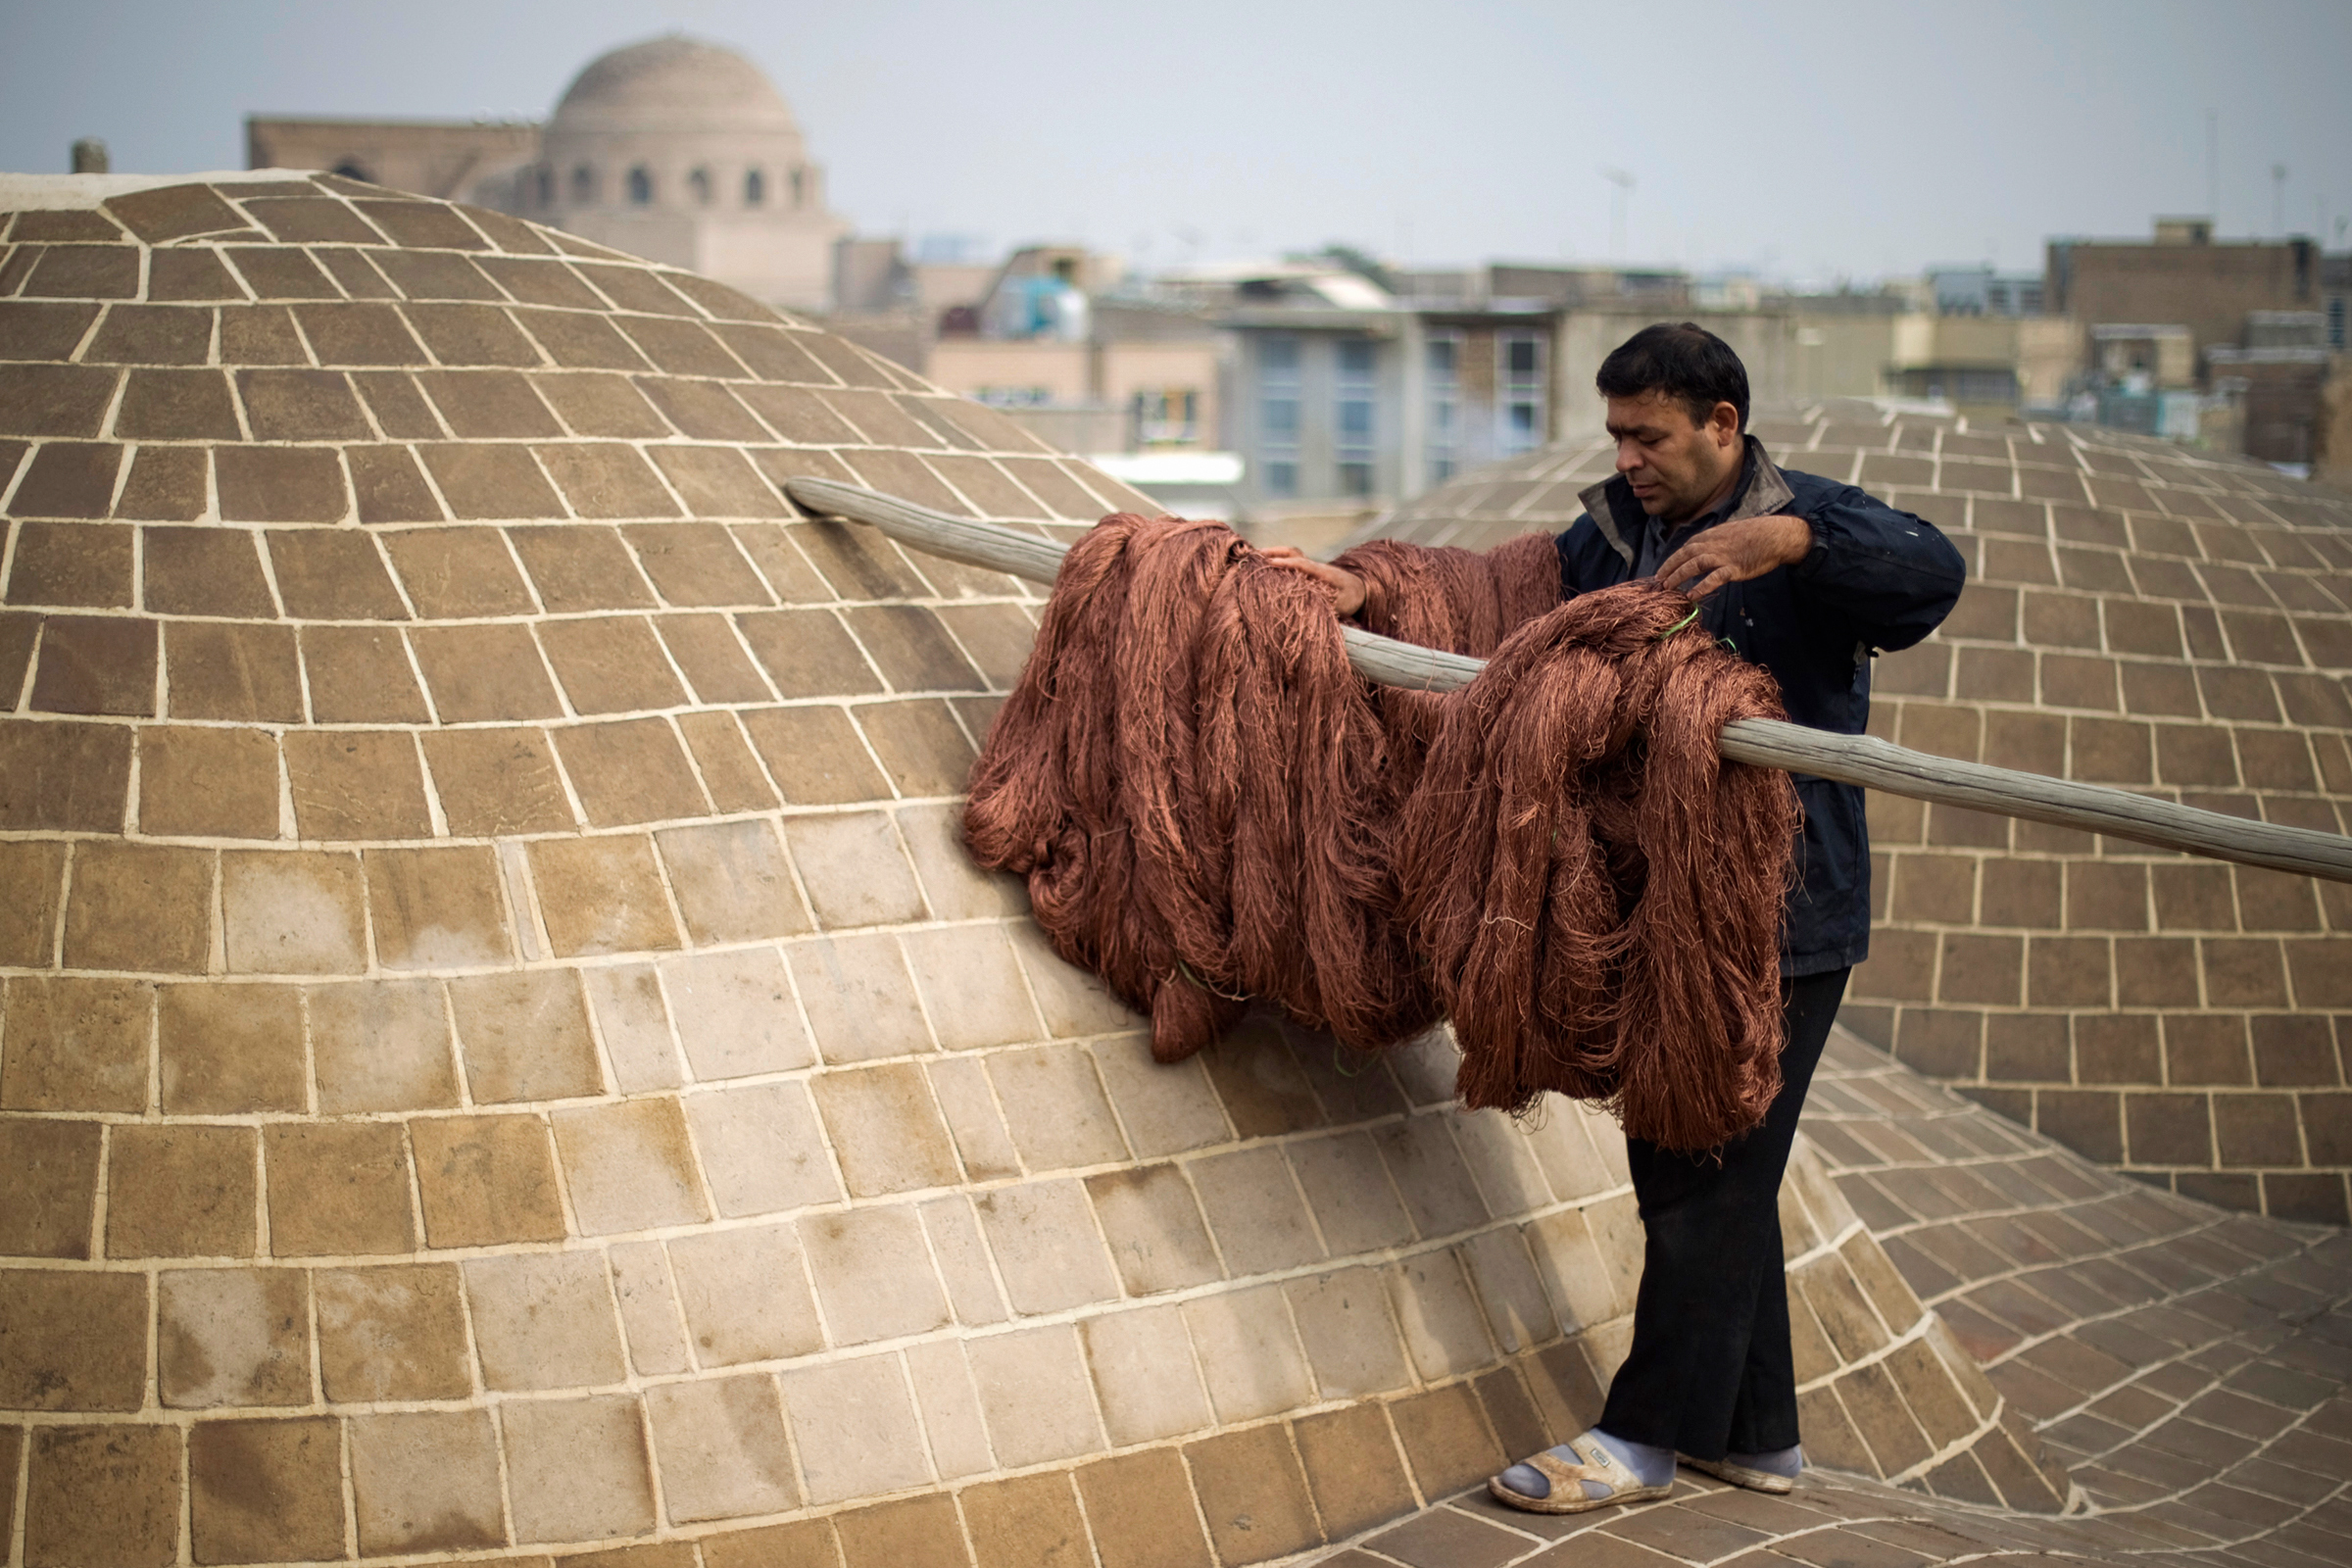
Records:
x=1806, y=140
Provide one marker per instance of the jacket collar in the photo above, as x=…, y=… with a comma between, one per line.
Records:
x=1619, y=515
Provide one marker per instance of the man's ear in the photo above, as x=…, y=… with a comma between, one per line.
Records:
x=1723, y=423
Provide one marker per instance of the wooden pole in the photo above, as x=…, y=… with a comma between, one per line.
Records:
x=1767, y=743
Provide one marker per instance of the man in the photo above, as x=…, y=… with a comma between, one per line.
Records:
x=1807, y=577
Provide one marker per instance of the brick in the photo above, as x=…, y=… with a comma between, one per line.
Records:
x=292, y=912
x=301, y=405
x=387, y=486
x=265, y=1491
x=581, y=567
x=234, y=1339
x=629, y=1166
x=481, y=674
x=1141, y=1363
x=1143, y=1511
x=1446, y=1439
x=357, y=784
x=1030, y=1522
x=360, y=674
x=854, y=869
x=1253, y=1494
x=136, y=906
x=102, y=1494
x=855, y=1425
x=873, y=1274
x=332, y=576
x=1353, y=1469
x=595, y=404
x=732, y=882
x=543, y=1321
x=97, y=666
x=888, y=1135
x=208, y=782
x=923, y=749
x=471, y=334
x=1035, y=1394
x=602, y=895
x=1155, y=1229
x=435, y=908
x=2256, y=1130
x=807, y=1544
x=722, y=1448
x=816, y=755
x=731, y=774
x=631, y=770
x=458, y=573
x=2168, y=1129
x=380, y=1046
x=490, y=481
x=392, y=1332
x=426, y=1481
x=231, y=1050
x=761, y=1150
x=82, y=564
x=281, y=484
x=53, y=1169
x=1249, y=1353
x=486, y=1180
x=337, y=1189
x=75, y=1043
x=67, y=479
x=2088, y=1122
x=716, y=665
x=523, y=1036
x=168, y=484
x=55, y=400
x=610, y=664
x=912, y=1533
x=744, y=1295
x=495, y=782
x=77, y=1340
x=250, y=672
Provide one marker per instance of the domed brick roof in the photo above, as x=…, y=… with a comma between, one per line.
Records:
x=671, y=83
x=2137, y=614
x=502, y=1052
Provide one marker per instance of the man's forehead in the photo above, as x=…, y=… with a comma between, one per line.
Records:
x=1650, y=410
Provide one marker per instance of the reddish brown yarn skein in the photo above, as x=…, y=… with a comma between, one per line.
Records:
x=1209, y=805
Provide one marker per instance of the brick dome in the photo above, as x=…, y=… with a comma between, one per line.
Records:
x=502, y=1052
x=2137, y=615
x=671, y=83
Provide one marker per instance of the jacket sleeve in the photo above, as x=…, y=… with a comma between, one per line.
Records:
x=1894, y=576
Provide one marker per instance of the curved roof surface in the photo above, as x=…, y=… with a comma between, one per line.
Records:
x=500, y=1055
x=671, y=83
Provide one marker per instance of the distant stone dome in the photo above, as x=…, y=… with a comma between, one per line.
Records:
x=672, y=83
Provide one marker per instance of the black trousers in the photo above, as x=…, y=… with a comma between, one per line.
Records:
x=1710, y=1372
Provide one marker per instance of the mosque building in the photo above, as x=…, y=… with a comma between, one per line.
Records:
x=672, y=149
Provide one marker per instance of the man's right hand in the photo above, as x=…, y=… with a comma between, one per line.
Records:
x=1346, y=588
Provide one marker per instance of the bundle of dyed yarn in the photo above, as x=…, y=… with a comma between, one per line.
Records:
x=1210, y=805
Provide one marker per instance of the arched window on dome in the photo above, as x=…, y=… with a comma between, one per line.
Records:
x=800, y=187
x=641, y=186
x=352, y=169
x=755, y=187
x=583, y=185
x=699, y=181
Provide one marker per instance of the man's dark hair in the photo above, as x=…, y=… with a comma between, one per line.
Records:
x=1683, y=361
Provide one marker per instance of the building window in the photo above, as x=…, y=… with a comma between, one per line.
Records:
x=543, y=187
x=800, y=187
x=755, y=187
x=1357, y=394
x=699, y=182
x=1166, y=416
x=583, y=183
x=1278, y=387
x=1523, y=401
x=1444, y=447
x=641, y=186
x=2335, y=324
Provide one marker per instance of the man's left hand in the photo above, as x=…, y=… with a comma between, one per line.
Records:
x=1735, y=552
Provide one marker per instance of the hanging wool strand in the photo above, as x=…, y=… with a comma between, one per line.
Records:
x=1209, y=806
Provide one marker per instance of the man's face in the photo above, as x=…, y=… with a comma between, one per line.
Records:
x=1675, y=465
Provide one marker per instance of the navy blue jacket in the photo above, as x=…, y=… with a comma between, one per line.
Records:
x=1877, y=580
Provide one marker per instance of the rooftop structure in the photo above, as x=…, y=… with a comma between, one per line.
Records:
x=672, y=149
